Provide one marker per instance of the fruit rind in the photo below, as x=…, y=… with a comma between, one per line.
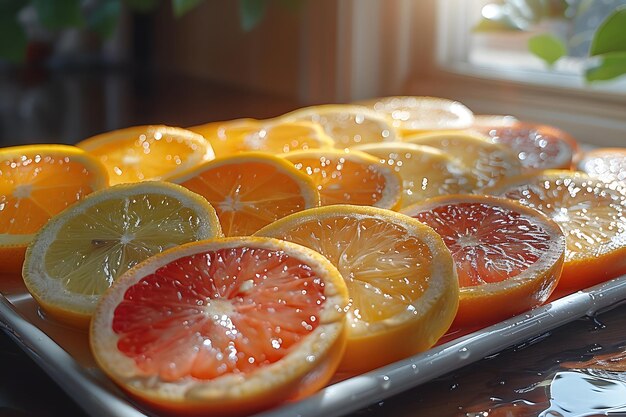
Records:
x=313, y=361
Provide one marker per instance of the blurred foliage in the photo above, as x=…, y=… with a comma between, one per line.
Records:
x=102, y=17
x=607, y=54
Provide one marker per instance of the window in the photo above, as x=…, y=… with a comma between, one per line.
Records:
x=504, y=54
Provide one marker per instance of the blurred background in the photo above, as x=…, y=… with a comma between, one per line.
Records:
x=70, y=69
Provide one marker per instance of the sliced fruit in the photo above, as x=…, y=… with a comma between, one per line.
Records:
x=251, y=190
x=538, y=147
x=401, y=279
x=415, y=114
x=592, y=215
x=37, y=182
x=223, y=327
x=81, y=251
x=347, y=124
x=508, y=257
x=493, y=120
x=273, y=136
x=425, y=171
x=606, y=164
x=147, y=152
x=490, y=162
x=349, y=177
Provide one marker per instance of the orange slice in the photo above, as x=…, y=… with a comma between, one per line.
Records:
x=538, y=147
x=415, y=114
x=425, y=171
x=251, y=190
x=349, y=177
x=272, y=136
x=508, y=257
x=81, y=251
x=227, y=327
x=606, y=164
x=147, y=152
x=401, y=279
x=489, y=162
x=347, y=124
x=592, y=215
x=37, y=182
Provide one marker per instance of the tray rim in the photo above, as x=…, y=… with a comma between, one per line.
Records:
x=339, y=398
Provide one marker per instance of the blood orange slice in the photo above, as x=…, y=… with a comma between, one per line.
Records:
x=228, y=326
x=508, y=257
x=537, y=146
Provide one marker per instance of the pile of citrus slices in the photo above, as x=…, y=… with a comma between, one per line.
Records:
x=232, y=266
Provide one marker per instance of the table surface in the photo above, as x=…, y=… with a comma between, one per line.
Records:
x=67, y=107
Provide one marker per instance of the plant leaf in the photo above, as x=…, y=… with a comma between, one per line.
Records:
x=59, y=14
x=547, y=47
x=251, y=12
x=12, y=39
x=606, y=67
x=611, y=34
x=182, y=7
x=103, y=19
x=142, y=6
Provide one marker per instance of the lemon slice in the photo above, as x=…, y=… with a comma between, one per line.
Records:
x=81, y=251
x=425, y=171
x=346, y=124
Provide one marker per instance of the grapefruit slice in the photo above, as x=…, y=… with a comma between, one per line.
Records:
x=508, y=257
x=229, y=326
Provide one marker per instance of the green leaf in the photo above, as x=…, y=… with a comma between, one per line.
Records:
x=142, y=6
x=182, y=7
x=59, y=14
x=611, y=34
x=251, y=12
x=547, y=47
x=103, y=19
x=12, y=39
x=497, y=25
x=606, y=67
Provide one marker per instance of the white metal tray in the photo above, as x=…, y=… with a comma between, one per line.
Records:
x=64, y=354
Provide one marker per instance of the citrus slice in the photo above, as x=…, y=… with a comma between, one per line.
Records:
x=493, y=120
x=251, y=190
x=147, y=152
x=606, y=164
x=508, y=257
x=538, y=147
x=347, y=124
x=490, y=162
x=81, y=251
x=228, y=326
x=415, y=114
x=272, y=136
x=349, y=177
x=425, y=171
x=592, y=215
x=37, y=182
x=401, y=279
